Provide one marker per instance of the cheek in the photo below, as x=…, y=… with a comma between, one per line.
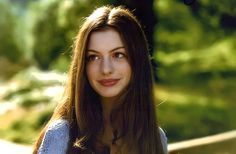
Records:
x=89, y=72
x=126, y=68
x=129, y=72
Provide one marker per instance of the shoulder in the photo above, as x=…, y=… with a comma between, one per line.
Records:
x=163, y=140
x=59, y=125
x=57, y=129
x=56, y=138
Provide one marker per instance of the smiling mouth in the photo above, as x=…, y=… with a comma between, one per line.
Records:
x=108, y=82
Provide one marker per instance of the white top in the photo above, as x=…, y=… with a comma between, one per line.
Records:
x=56, y=138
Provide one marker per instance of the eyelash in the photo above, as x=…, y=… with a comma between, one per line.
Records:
x=116, y=55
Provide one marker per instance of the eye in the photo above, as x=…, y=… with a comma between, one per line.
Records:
x=119, y=55
x=92, y=57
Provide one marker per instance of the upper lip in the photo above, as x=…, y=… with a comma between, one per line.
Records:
x=107, y=80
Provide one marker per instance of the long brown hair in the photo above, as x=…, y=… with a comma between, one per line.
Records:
x=134, y=118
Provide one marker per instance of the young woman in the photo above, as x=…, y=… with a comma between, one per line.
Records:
x=108, y=105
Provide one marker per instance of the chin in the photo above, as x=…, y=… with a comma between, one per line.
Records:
x=108, y=95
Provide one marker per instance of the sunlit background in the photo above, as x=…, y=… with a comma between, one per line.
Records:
x=194, y=47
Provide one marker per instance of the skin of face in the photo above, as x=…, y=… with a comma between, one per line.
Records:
x=107, y=66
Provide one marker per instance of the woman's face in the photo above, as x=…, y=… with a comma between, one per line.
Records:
x=107, y=66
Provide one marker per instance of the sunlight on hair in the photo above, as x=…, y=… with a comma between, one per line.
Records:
x=163, y=101
x=79, y=142
x=96, y=14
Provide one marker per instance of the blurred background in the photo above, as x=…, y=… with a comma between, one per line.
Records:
x=193, y=45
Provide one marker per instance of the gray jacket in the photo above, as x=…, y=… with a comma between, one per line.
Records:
x=56, y=138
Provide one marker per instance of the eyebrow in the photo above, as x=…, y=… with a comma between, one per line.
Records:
x=92, y=50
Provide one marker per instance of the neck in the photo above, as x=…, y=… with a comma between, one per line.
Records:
x=107, y=106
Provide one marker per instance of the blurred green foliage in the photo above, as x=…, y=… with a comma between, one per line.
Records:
x=194, y=48
x=190, y=112
x=30, y=125
x=35, y=95
x=55, y=28
x=196, y=67
x=9, y=47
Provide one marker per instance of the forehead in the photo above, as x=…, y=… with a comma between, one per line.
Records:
x=104, y=40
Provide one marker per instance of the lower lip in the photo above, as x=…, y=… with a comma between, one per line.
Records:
x=109, y=84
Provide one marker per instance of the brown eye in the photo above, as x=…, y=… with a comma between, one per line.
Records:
x=119, y=55
x=92, y=57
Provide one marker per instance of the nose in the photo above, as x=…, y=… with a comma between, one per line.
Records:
x=107, y=66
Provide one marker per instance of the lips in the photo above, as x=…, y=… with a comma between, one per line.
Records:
x=108, y=82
